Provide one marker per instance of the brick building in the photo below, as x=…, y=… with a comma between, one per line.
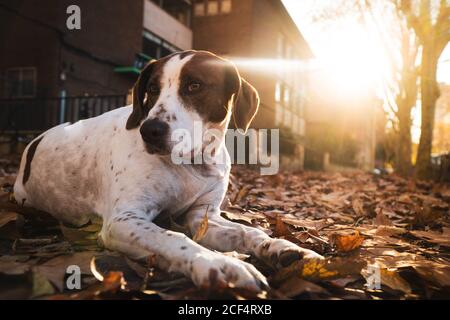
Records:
x=270, y=52
x=42, y=60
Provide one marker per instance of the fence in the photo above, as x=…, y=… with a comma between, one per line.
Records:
x=40, y=114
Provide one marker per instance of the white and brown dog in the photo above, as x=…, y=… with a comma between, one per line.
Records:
x=118, y=166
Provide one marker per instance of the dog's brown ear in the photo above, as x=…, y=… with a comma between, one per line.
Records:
x=246, y=106
x=140, y=109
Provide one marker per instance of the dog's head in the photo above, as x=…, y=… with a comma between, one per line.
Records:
x=185, y=88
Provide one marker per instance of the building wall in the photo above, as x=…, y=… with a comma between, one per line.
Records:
x=226, y=34
x=26, y=40
x=110, y=36
x=78, y=61
x=250, y=34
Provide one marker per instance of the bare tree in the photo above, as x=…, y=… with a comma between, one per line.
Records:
x=400, y=46
x=433, y=34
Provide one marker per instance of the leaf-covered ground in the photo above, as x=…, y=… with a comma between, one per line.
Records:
x=368, y=227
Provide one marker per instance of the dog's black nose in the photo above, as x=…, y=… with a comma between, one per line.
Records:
x=152, y=131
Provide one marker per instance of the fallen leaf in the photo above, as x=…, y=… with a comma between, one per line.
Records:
x=242, y=193
x=84, y=237
x=11, y=265
x=381, y=219
x=112, y=283
x=442, y=239
x=281, y=229
x=55, y=269
x=438, y=274
x=295, y=286
x=237, y=217
x=202, y=229
x=41, y=286
x=394, y=281
x=7, y=217
x=357, y=206
x=346, y=243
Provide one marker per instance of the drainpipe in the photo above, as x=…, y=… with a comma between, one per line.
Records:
x=62, y=101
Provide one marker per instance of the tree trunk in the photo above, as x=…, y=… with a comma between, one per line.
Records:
x=429, y=94
x=403, y=166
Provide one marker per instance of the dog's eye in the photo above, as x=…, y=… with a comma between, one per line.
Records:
x=154, y=89
x=194, y=86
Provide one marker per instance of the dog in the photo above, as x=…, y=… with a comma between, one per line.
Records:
x=118, y=166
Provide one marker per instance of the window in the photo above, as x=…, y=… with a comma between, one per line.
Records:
x=225, y=6
x=155, y=47
x=213, y=7
x=280, y=46
x=278, y=92
x=20, y=82
x=287, y=118
x=286, y=97
x=199, y=8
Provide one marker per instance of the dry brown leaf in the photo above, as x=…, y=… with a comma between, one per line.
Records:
x=305, y=223
x=381, y=219
x=202, y=229
x=110, y=284
x=442, y=239
x=295, y=286
x=345, y=243
x=281, y=229
x=389, y=230
x=393, y=280
x=7, y=217
x=55, y=269
x=11, y=265
x=237, y=217
x=242, y=193
x=437, y=273
x=357, y=206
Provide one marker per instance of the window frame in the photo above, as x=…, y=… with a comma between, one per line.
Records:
x=21, y=73
x=221, y=6
x=198, y=4
x=217, y=2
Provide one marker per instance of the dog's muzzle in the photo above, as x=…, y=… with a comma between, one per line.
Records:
x=154, y=132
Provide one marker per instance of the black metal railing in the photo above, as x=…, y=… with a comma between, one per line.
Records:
x=39, y=114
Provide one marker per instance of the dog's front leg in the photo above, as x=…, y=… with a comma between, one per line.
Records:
x=225, y=235
x=133, y=234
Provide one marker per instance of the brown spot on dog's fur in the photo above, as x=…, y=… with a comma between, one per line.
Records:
x=30, y=156
x=150, y=75
x=219, y=80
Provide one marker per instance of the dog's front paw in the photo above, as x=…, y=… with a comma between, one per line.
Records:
x=281, y=253
x=210, y=269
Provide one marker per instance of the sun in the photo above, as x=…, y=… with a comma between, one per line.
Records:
x=356, y=63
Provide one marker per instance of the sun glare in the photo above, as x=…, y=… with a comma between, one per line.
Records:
x=352, y=61
x=355, y=63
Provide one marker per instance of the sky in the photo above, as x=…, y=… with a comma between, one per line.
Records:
x=347, y=50
x=331, y=44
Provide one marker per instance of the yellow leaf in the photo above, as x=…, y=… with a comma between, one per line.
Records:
x=394, y=281
x=316, y=268
x=201, y=231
